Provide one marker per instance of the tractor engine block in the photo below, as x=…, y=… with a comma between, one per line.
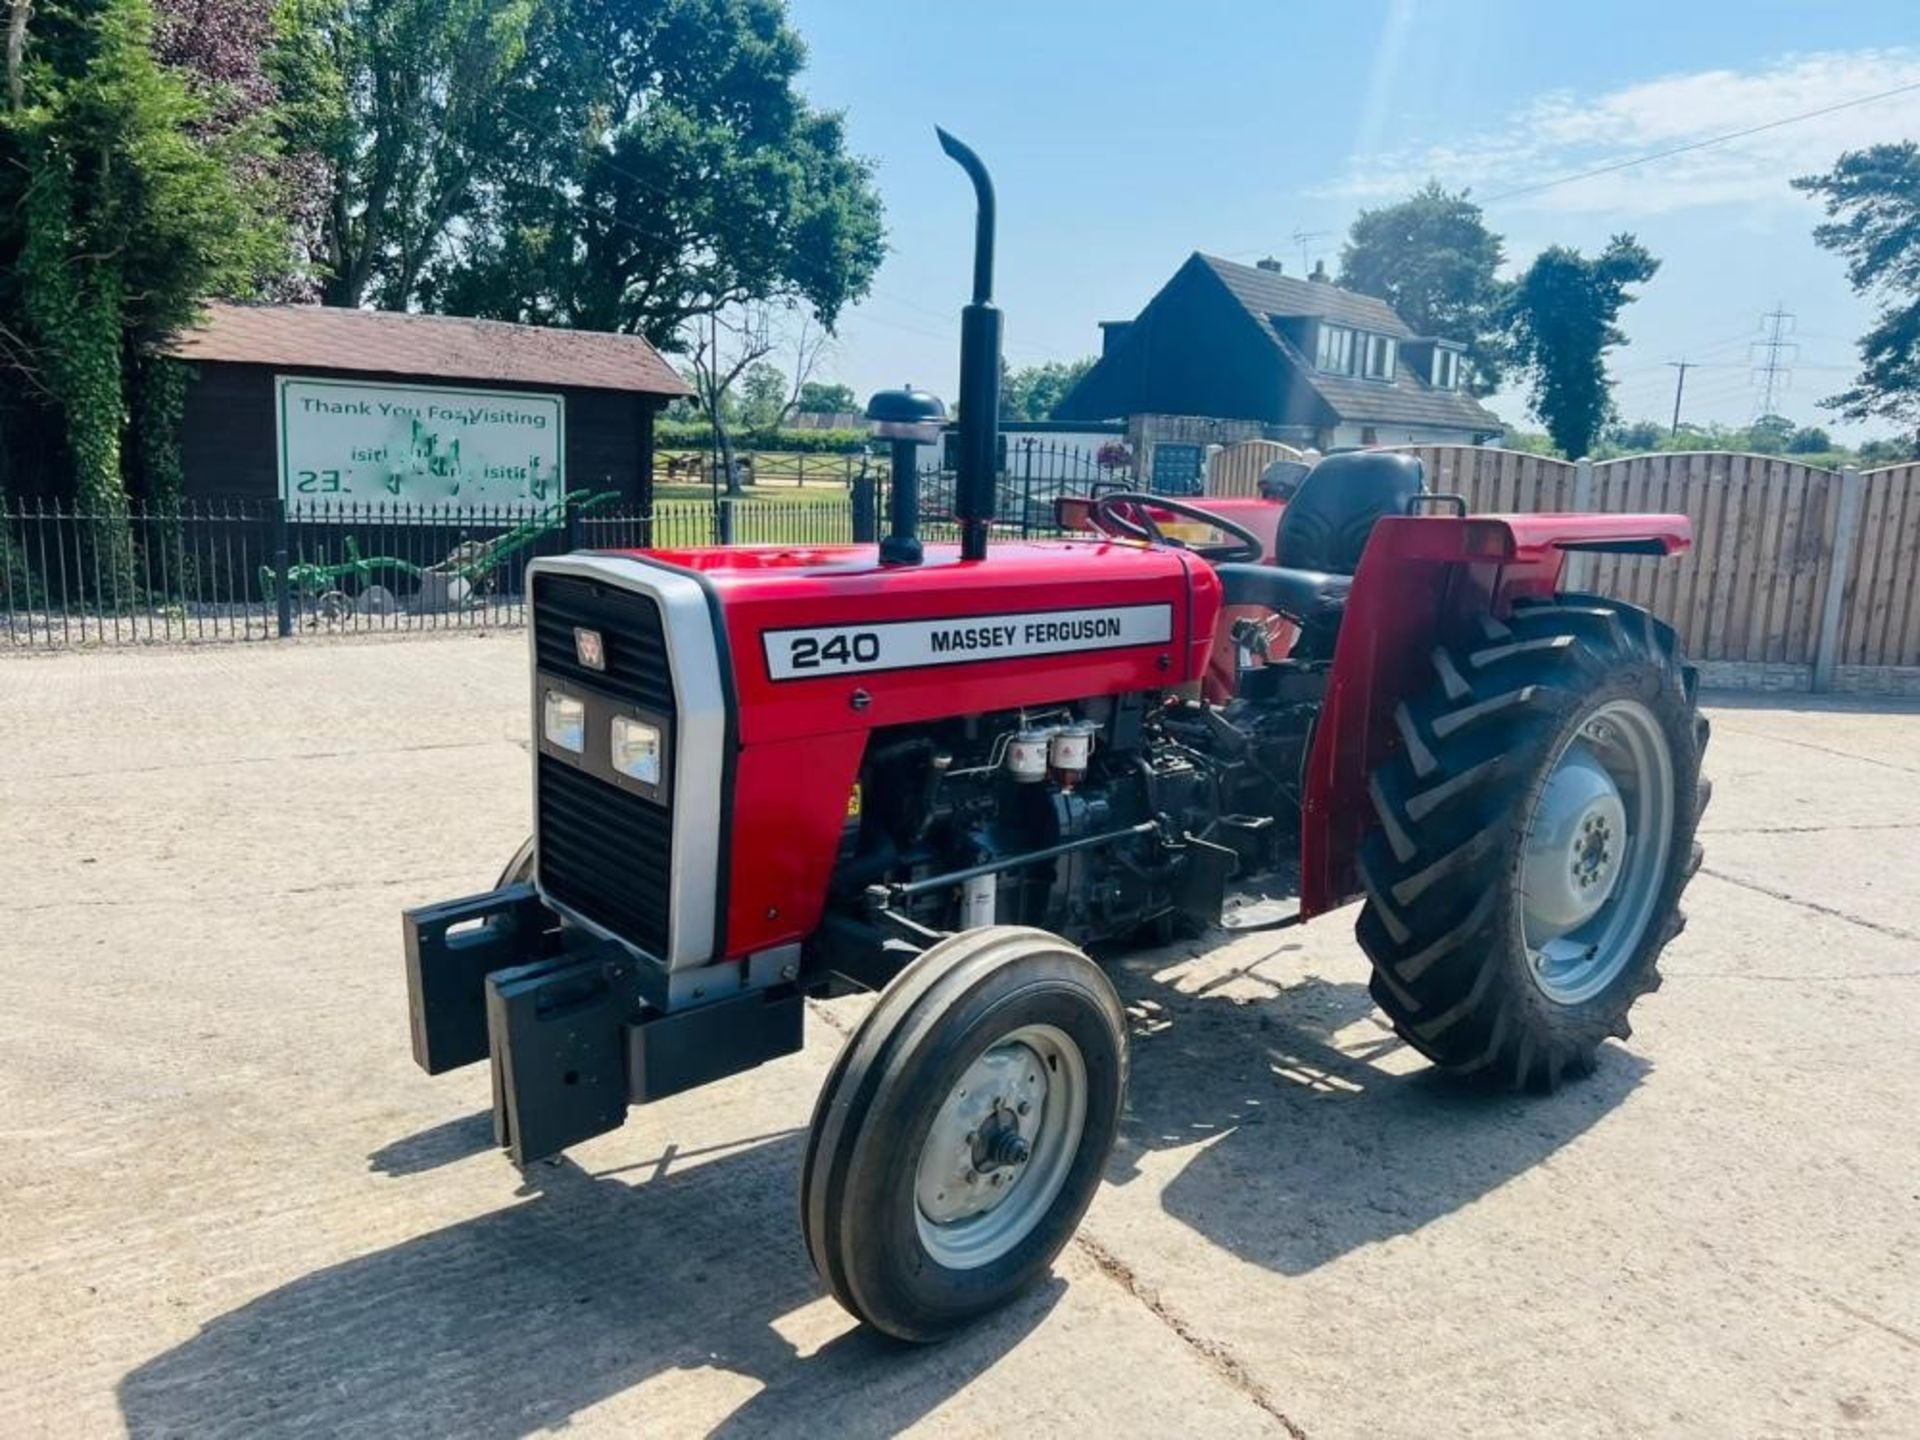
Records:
x=1186, y=792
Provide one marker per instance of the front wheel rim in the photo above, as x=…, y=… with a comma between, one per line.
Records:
x=1000, y=1147
x=1593, y=865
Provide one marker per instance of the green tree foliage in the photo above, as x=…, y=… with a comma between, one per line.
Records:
x=122, y=207
x=1432, y=258
x=626, y=165
x=1032, y=392
x=1889, y=452
x=403, y=104
x=819, y=398
x=1563, y=312
x=1872, y=199
x=1809, y=440
x=1769, y=434
x=763, y=395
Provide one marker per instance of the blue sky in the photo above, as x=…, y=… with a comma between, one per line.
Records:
x=1123, y=136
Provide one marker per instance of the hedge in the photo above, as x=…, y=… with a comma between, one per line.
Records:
x=696, y=435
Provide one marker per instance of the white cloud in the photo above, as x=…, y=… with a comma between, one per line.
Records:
x=1564, y=133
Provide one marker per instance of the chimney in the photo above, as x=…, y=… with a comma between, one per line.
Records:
x=1320, y=273
x=1267, y=263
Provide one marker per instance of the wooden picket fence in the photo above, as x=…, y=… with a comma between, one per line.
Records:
x=1236, y=469
x=1796, y=574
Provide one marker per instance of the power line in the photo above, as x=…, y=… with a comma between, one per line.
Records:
x=1700, y=144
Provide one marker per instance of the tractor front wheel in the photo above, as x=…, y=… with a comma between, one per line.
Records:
x=1536, y=829
x=519, y=870
x=964, y=1129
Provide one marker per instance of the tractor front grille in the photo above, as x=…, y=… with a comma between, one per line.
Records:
x=637, y=673
x=605, y=852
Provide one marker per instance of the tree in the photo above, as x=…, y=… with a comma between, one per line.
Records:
x=406, y=106
x=1432, y=258
x=126, y=199
x=820, y=398
x=763, y=395
x=1889, y=452
x=668, y=170
x=1032, y=392
x=1563, y=313
x=1872, y=200
x=1638, y=437
x=1769, y=434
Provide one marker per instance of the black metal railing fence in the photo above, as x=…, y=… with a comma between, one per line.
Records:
x=226, y=570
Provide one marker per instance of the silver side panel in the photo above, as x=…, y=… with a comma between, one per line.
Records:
x=699, y=733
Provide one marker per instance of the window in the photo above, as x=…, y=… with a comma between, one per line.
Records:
x=1336, y=350
x=1381, y=353
x=1446, y=369
x=1369, y=435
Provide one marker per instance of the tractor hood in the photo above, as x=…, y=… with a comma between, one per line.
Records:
x=826, y=639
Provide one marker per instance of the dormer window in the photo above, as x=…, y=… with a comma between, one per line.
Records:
x=1446, y=369
x=1336, y=354
x=1381, y=354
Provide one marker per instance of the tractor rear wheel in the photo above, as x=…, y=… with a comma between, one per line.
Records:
x=963, y=1130
x=1536, y=829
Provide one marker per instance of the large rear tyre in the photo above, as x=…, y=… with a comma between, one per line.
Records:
x=963, y=1131
x=1536, y=829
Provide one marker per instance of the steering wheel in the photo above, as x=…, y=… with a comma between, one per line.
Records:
x=1137, y=523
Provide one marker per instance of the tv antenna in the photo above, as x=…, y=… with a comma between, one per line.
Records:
x=1300, y=238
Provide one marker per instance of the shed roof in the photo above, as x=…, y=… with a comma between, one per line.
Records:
x=318, y=337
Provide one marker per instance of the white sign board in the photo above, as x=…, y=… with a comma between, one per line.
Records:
x=347, y=446
x=918, y=644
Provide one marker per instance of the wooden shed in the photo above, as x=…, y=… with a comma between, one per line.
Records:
x=354, y=407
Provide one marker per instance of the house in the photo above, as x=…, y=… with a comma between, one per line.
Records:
x=1229, y=352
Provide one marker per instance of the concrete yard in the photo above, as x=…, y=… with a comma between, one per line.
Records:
x=233, y=1207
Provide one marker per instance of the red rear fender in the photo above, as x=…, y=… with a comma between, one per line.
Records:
x=1422, y=579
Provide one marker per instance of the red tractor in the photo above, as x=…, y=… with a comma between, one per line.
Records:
x=943, y=774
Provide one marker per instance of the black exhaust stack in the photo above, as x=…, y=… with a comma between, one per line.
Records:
x=976, y=477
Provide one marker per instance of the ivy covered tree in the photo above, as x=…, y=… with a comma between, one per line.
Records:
x=1563, y=314
x=1872, y=201
x=124, y=203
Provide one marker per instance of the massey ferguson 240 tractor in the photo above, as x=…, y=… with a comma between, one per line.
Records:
x=944, y=773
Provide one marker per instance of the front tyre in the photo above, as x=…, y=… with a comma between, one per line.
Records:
x=519, y=870
x=1536, y=829
x=963, y=1130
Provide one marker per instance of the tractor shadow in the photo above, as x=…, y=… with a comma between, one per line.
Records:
x=1313, y=1130
x=520, y=1319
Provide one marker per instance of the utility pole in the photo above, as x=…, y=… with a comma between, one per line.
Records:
x=1773, y=366
x=1679, y=388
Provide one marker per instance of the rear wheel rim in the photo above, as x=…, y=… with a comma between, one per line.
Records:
x=1000, y=1147
x=1593, y=864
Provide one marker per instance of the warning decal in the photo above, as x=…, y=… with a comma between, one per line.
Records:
x=911, y=644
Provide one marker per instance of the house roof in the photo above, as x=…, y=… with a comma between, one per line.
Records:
x=1266, y=294
x=448, y=347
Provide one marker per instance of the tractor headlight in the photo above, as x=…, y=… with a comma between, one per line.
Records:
x=564, y=722
x=636, y=749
